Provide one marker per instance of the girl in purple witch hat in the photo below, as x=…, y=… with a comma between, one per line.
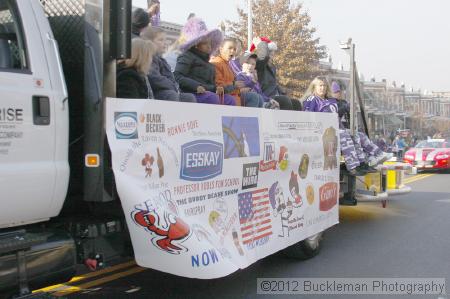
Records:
x=193, y=71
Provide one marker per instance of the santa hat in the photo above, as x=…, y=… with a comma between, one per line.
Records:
x=272, y=45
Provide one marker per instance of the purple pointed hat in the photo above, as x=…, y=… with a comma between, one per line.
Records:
x=194, y=31
x=335, y=87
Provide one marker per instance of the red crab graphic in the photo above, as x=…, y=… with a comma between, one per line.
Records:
x=175, y=230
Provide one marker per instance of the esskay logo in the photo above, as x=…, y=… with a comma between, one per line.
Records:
x=201, y=160
x=126, y=125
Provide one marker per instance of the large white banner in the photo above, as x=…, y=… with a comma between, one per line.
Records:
x=209, y=189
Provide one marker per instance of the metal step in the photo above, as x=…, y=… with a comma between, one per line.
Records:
x=19, y=240
x=366, y=192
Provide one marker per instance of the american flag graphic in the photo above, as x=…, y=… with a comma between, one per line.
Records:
x=254, y=215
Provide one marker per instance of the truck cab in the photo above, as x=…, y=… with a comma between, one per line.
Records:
x=58, y=207
x=34, y=121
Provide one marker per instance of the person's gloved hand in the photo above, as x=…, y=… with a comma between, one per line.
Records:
x=272, y=104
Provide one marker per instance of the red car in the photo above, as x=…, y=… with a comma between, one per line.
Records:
x=429, y=154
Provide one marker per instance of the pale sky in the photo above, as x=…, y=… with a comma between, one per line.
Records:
x=403, y=40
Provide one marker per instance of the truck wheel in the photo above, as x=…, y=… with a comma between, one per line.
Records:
x=306, y=249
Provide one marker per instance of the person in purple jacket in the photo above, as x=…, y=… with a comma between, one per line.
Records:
x=235, y=64
x=154, y=12
x=359, y=154
x=361, y=140
x=249, y=76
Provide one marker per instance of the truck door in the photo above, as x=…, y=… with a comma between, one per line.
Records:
x=29, y=108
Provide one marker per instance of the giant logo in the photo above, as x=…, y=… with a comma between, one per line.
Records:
x=201, y=160
x=126, y=125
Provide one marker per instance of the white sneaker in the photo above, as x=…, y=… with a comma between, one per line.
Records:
x=373, y=161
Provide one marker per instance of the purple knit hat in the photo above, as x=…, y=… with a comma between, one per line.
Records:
x=194, y=31
x=335, y=87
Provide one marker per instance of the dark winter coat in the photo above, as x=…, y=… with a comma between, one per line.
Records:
x=193, y=69
x=344, y=113
x=267, y=74
x=161, y=76
x=131, y=85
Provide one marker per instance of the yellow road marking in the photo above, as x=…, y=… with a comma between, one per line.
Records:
x=419, y=178
x=414, y=177
x=85, y=286
x=363, y=212
x=58, y=287
x=366, y=211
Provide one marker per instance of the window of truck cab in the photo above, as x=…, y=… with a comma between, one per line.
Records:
x=13, y=52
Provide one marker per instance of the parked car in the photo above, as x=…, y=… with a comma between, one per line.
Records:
x=429, y=154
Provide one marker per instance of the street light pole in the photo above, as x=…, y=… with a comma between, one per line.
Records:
x=353, y=121
x=384, y=108
x=348, y=45
x=249, y=24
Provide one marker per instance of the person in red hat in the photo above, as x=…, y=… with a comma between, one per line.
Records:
x=265, y=49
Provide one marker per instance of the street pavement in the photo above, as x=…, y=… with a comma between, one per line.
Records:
x=408, y=238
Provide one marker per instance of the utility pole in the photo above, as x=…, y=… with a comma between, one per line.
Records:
x=249, y=24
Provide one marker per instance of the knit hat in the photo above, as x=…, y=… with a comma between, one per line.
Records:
x=272, y=45
x=194, y=31
x=246, y=56
x=140, y=19
x=335, y=87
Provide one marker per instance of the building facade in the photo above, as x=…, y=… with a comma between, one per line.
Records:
x=390, y=107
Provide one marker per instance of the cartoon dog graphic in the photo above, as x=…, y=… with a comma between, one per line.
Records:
x=280, y=206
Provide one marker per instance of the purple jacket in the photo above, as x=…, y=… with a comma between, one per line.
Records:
x=254, y=86
x=317, y=104
x=235, y=66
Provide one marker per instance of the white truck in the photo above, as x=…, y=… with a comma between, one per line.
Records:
x=59, y=207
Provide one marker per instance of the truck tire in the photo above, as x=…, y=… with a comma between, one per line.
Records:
x=306, y=249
